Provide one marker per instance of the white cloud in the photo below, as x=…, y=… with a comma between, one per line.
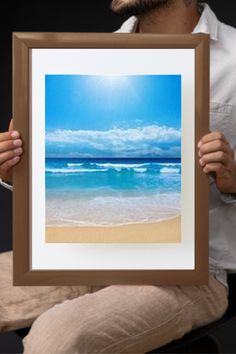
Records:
x=153, y=139
x=116, y=135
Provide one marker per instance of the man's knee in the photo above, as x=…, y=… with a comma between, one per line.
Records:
x=52, y=333
x=45, y=335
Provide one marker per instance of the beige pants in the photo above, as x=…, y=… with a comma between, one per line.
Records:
x=125, y=318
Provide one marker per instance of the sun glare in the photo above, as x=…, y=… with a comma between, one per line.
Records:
x=116, y=88
x=114, y=80
x=111, y=82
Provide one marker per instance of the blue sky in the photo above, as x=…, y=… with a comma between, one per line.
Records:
x=113, y=116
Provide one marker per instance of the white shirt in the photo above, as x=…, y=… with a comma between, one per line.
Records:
x=222, y=207
x=6, y=185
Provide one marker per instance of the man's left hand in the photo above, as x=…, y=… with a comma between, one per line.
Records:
x=217, y=160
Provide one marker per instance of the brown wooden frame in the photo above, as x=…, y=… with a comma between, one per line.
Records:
x=22, y=44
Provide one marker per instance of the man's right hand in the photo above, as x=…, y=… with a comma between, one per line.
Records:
x=10, y=152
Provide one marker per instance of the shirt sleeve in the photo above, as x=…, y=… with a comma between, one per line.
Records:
x=6, y=185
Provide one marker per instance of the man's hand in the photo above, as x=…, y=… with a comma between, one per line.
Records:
x=10, y=152
x=217, y=160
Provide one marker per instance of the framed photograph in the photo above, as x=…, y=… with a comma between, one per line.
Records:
x=109, y=189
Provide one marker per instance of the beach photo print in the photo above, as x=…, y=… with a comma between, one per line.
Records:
x=113, y=158
x=110, y=190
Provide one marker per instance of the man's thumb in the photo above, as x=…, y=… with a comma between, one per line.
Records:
x=11, y=125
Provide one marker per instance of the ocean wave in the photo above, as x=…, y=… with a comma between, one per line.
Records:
x=141, y=221
x=88, y=170
x=169, y=170
x=111, y=210
x=78, y=170
x=121, y=165
x=74, y=164
x=70, y=170
x=168, y=164
x=151, y=167
x=140, y=170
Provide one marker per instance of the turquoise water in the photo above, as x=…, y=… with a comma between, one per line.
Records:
x=103, y=191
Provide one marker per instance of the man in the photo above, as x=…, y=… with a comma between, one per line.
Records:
x=137, y=319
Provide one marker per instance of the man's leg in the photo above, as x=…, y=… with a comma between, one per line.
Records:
x=21, y=305
x=126, y=318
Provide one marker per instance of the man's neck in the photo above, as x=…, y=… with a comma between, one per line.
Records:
x=180, y=17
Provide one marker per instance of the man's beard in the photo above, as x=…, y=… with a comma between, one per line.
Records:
x=137, y=7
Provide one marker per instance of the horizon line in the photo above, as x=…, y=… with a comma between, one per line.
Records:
x=111, y=157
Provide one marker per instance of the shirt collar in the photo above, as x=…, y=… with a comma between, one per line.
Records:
x=208, y=23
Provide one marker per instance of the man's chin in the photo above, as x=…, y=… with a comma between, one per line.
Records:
x=136, y=7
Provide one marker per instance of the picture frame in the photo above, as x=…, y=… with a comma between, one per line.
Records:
x=41, y=261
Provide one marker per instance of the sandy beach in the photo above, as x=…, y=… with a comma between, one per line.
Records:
x=167, y=231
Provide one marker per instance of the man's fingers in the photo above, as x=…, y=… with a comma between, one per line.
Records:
x=213, y=146
x=9, y=145
x=9, y=164
x=213, y=167
x=218, y=156
x=10, y=155
x=10, y=151
x=9, y=135
x=211, y=137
